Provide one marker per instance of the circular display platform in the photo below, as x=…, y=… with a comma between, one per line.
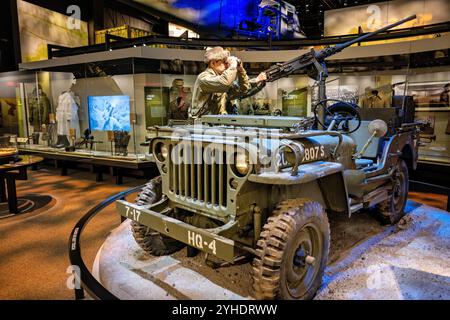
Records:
x=410, y=261
x=128, y=272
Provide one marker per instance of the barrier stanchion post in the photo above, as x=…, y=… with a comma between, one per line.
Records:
x=79, y=293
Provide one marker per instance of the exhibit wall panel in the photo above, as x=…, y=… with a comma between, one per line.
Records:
x=292, y=96
x=141, y=82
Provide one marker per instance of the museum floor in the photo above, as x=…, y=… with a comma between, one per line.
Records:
x=33, y=246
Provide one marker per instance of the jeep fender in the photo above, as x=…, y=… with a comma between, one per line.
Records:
x=328, y=175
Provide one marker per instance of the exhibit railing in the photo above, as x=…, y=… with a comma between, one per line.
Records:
x=201, y=43
x=83, y=279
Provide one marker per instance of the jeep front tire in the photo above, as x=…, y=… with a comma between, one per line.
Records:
x=292, y=252
x=150, y=240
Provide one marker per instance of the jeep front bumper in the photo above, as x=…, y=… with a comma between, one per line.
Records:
x=202, y=239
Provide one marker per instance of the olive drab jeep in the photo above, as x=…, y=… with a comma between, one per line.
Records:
x=263, y=186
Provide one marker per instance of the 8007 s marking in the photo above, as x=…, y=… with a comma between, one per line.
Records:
x=312, y=153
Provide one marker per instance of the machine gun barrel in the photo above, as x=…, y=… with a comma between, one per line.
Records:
x=314, y=59
x=325, y=53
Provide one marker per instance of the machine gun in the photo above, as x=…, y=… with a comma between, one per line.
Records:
x=314, y=63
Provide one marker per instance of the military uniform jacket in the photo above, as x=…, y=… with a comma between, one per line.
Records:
x=211, y=91
x=67, y=114
x=39, y=109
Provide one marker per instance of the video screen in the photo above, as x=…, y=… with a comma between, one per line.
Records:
x=109, y=113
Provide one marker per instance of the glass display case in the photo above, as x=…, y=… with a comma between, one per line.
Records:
x=102, y=109
x=85, y=110
x=430, y=93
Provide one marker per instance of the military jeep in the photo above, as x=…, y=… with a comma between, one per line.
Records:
x=235, y=186
x=263, y=187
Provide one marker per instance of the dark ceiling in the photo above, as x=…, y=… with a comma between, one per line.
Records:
x=311, y=12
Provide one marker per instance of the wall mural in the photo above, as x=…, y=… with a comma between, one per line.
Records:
x=373, y=16
x=39, y=26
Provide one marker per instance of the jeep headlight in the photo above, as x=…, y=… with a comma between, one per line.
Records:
x=241, y=163
x=161, y=151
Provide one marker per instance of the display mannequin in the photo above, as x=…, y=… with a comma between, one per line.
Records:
x=39, y=106
x=180, y=97
x=374, y=99
x=67, y=114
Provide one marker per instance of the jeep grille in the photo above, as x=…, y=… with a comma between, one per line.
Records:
x=199, y=182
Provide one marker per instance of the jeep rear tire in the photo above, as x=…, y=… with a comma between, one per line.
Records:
x=292, y=252
x=393, y=208
x=150, y=240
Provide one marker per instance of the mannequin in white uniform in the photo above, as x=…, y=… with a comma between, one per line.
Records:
x=67, y=113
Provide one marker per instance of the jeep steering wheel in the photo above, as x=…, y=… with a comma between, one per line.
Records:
x=340, y=112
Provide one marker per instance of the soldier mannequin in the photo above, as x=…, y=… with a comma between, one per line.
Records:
x=180, y=99
x=217, y=83
x=39, y=109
